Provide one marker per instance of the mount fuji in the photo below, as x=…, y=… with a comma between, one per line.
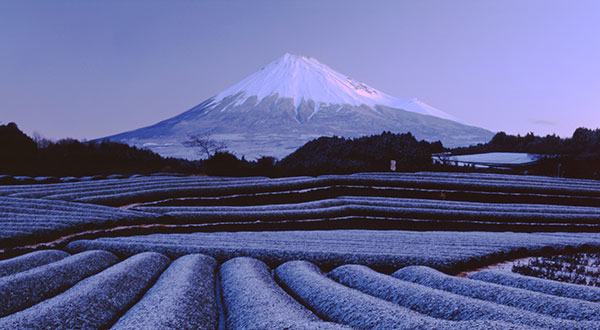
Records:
x=291, y=101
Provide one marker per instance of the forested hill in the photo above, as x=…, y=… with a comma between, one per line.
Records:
x=373, y=153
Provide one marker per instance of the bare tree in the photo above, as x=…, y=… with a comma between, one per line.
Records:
x=204, y=145
x=41, y=141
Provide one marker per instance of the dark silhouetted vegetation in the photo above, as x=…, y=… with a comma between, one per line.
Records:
x=328, y=155
x=334, y=155
x=576, y=157
x=21, y=155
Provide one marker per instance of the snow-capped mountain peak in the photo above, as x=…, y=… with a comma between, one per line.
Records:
x=304, y=78
x=291, y=101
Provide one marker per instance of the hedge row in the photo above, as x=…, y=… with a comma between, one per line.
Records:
x=438, y=303
x=30, y=260
x=252, y=300
x=95, y=302
x=182, y=298
x=338, y=303
x=443, y=250
x=565, y=308
x=24, y=289
x=556, y=288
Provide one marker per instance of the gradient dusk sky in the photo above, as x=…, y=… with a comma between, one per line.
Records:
x=88, y=69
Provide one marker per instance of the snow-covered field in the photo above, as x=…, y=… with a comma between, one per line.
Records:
x=387, y=249
x=494, y=158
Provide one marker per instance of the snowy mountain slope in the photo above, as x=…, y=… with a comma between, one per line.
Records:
x=295, y=99
x=304, y=78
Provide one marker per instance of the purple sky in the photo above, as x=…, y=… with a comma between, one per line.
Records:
x=88, y=69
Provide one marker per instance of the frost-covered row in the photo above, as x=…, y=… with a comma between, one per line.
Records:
x=471, y=206
x=252, y=300
x=438, y=303
x=109, y=197
x=333, y=301
x=70, y=191
x=24, y=289
x=565, y=308
x=337, y=209
x=14, y=204
x=491, y=179
x=182, y=298
x=444, y=250
x=33, y=188
x=93, y=303
x=156, y=188
x=509, y=177
x=30, y=260
x=24, y=220
x=117, y=197
x=556, y=288
x=193, y=182
x=385, y=202
x=531, y=179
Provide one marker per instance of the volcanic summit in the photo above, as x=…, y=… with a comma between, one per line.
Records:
x=291, y=101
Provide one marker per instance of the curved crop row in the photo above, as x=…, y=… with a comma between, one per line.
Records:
x=333, y=301
x=385, y=202
x=556, y=288
x=512, y=177
x=15, y=203
x=443, y=250
x=437, y=303
x=127, y=191
x=40, y=190
x=498, y=177
x=25, y=220
x=71, y=195
x=565, y=308
x=471, y=206
x=95, y=302
x=30, y=260
x=24, y=289
x=253, y=300
x=338, y=209
x=186, y=190
x=182, y=298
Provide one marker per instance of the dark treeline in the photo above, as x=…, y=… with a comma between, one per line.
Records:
x=335, y=155
x=21, y=155
x=577, y=156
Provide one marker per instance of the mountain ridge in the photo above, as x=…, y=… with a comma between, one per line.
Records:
x=291, y=101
